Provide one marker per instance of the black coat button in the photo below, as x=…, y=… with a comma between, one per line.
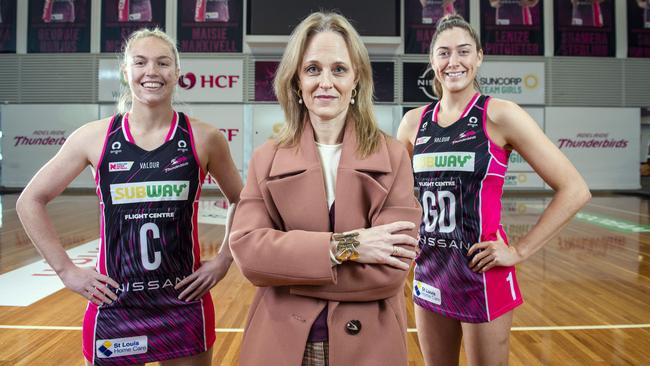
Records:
x=353, y=327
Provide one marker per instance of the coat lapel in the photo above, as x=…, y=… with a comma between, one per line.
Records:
x=359, y=194
x=297, y=185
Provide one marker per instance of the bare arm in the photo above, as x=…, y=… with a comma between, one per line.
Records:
x=218, y=162
x=408, y=129
x=49, y=182
x=511, y=126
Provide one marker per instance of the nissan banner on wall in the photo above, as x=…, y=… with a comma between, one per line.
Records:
x=200, y=81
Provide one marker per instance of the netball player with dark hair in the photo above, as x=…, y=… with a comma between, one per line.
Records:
x=465, y=285
x=148, y=297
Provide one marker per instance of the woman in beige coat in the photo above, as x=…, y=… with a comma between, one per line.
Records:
x=325, y=226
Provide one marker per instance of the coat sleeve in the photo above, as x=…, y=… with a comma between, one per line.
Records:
x=268, y=256
x=372, y=282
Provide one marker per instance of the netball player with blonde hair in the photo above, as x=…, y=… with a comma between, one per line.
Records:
x=148, y=297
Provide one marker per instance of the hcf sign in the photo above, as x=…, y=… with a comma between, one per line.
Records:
x=211, y=80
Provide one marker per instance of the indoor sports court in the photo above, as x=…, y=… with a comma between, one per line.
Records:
x=586, y=293
x=582, y=77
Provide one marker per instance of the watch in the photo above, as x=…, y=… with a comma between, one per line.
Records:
x=346, y=246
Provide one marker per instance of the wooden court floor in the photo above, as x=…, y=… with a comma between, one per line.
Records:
x=587, y=293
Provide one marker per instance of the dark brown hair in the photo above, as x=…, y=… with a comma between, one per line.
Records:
x=445, y=23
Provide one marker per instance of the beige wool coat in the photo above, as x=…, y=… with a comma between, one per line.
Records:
x=280, y=241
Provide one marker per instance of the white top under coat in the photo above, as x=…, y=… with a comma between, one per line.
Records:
x=329, y=159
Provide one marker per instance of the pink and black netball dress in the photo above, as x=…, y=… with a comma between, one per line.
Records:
x=211, y=11
x=58, y=11
x=511, y=12
x=134, y=11
x=587, y=13
x=433, y=10
x=460, y=173
x=149, y=243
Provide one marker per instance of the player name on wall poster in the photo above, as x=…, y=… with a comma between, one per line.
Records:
x=584, y=28
x=512, y=27
x=210, y=26
x=58, y=26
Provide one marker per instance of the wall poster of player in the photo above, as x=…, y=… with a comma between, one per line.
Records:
x=58, y=26
x=638, y=28
x=210, y=25
x=420, y=18
x=7, y=26
x=584, y=28
x=512, y=27
x=120, y=18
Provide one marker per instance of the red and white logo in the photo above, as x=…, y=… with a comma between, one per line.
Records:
x=120, y=166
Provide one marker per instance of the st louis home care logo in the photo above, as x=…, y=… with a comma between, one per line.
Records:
x=110, y=348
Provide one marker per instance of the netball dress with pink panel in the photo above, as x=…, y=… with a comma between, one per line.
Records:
x=460, y=173
x=149, y=242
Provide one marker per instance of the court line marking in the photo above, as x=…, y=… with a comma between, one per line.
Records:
x=410, y=330
x=618, y=209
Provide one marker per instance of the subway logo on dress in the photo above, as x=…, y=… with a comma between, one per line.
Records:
x=169, y=190
x=109, y=348
x=444, y=161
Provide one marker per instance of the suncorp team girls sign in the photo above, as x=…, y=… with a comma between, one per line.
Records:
x=520, y=82
x=200, y=81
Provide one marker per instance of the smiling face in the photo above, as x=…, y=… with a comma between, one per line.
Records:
x=151, y=71
x=326, y=77
x=455, y=59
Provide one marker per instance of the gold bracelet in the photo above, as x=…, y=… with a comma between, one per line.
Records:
x=346, y=246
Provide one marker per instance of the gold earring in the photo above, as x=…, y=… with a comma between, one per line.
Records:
x=354, y=94
x=299, y=94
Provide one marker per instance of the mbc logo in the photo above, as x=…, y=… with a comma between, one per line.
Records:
x=189, y=81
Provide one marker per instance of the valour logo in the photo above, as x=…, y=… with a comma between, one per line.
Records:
x=426, y=292
x=109, y=348
x=171, y=190
x=187, y=81
x=445, y=161
x=120, y=166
